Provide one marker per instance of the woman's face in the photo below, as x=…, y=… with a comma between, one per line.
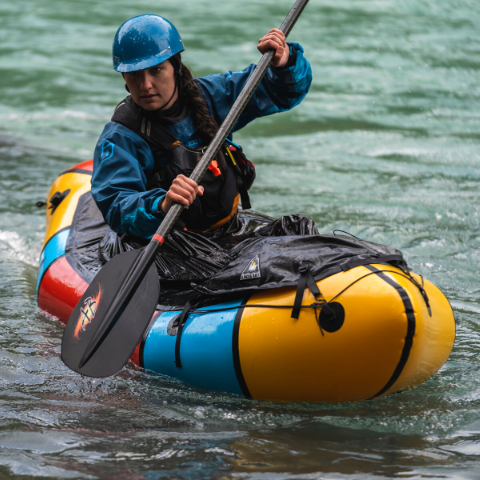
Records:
x=152, y=87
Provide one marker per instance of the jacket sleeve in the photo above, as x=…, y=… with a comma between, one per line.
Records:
x=122, y=160
x=280, y=90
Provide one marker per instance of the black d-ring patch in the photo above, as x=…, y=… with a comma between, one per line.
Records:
x=331, y=319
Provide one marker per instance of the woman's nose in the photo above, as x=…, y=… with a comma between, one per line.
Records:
x=146, y=82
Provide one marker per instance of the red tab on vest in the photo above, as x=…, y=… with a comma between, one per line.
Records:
x=214, y=168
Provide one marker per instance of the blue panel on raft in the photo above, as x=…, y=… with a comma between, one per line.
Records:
x=205, y=349
x=54, y=249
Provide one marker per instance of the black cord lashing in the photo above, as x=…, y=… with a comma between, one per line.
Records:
x=320, y=303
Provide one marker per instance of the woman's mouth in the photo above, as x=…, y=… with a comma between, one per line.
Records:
x=149, y=97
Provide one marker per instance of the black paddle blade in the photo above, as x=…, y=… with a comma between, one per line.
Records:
x=115, y=326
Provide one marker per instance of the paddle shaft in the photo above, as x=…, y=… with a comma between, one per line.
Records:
x=248, y=90
x=142, y=265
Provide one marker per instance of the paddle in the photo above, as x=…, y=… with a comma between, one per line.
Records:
x=111, y=317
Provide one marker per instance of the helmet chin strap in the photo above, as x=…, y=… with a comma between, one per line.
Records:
x=177, y=75
x=170, y=99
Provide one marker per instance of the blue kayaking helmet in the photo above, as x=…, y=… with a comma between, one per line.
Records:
x=144, y=41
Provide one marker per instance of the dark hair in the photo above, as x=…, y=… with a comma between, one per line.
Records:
x=195, y=102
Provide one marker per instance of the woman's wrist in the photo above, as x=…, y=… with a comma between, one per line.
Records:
x=162, y=207
x=291, y=59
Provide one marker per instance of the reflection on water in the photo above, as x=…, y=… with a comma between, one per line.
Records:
x=386, y=146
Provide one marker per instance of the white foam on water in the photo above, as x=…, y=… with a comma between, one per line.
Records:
x=53, y=115
x=18, y=249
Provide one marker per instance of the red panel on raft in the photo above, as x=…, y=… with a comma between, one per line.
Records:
x=87, y=165
x=61, y=289
x=135, y=358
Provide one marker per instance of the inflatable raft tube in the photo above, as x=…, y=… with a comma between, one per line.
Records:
x=386, y=340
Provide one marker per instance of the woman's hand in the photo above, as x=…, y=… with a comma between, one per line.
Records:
x=275, y=40
x=183, y=191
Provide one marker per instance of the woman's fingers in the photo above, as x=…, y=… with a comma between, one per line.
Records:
x=278, y=32
x=275, y=33
x=270, y=43
x=183, y=191
x=178, y=198
x=275, y=40
x=275, y=36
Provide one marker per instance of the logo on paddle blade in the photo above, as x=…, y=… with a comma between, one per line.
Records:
x=87, y=312
x=252, y=270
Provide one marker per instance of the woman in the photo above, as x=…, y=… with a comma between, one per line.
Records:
x=145, y=154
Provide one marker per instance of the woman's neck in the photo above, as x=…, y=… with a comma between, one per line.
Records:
x=167, y=116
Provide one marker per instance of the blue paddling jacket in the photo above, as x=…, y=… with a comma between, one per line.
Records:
x=123, y=160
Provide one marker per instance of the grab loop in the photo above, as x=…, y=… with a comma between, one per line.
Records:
x=57, y=199
x=422, y=291
x=306, y=280
x=180, y=321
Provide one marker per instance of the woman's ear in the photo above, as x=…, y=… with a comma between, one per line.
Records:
x=126, y=86
x=177, y=65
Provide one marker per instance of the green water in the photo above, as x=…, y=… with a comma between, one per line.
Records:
x=385, y=146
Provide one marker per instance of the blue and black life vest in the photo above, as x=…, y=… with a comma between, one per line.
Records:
x=227, y=180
